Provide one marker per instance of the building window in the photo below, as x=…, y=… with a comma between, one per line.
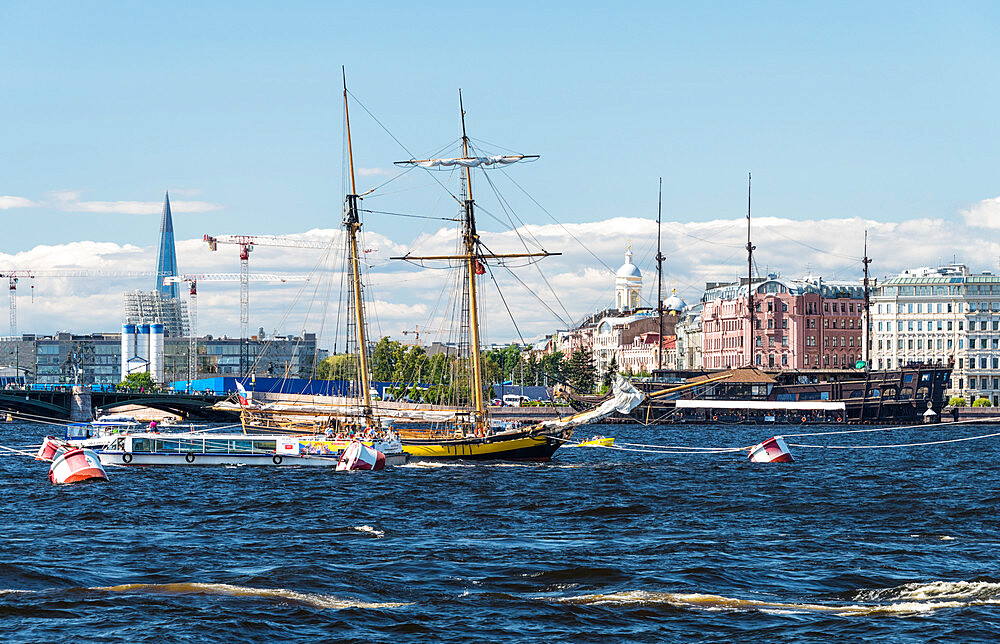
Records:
x=982, y=363
x=784, y=307
x=826, y=323
x=784, y=340
x=784, y=360
x=784, y=324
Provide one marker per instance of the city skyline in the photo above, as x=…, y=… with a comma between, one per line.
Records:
x=881, y=121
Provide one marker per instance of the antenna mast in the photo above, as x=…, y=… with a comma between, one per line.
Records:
x=659, y=277
x=750, y=249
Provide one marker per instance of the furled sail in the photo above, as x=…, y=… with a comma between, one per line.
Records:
x=470, y=162
x=626, y=398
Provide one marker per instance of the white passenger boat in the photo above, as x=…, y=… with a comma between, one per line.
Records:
x=119, y=421
x=177, y=448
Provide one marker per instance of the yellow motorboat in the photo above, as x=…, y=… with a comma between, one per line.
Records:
x=596, y=441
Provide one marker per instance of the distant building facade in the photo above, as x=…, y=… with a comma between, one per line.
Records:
x=939, y=316
x=66, y=358
x=809, y=323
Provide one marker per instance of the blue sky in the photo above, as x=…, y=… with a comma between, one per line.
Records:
x=884, y=113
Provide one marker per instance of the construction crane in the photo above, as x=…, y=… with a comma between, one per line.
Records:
x=247, y=244
x=192, y=281
x=14, y=277
x=415, y=331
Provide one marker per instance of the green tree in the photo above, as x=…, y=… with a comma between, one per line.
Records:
x=580, y=370
x=957, y=401
x=410, y=364
x=982, y=402
x=610, y=373
x=384, y=360
x=339, y=367
x=139, y=380
x=551, y=365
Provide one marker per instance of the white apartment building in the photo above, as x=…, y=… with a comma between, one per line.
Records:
x=940, y=315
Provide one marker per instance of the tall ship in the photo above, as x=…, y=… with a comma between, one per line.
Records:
x=459, y=425
x=792, y=351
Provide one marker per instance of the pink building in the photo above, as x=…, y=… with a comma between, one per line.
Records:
x=798, y=324
x=643, y=354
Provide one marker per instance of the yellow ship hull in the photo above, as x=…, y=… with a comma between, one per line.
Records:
x=505, y=446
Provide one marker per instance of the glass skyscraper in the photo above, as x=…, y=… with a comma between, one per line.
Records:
x=166, y=258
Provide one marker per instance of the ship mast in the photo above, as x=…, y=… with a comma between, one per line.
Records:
x=471, y=257
x=352, y=223
x=868, y=324
x=470, y=240
x=659, y=277
x=750, y=249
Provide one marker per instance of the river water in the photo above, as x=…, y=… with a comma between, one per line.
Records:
x=601, y=545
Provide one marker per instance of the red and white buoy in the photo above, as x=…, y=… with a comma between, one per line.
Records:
x=48, y=450
x=358, y=456
x=773, y=450
x=76, y=465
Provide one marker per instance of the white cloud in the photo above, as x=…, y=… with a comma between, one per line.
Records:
x=542, y=298
x=138, y=207
x=372, y=172
x=985, y=214
x=7, y=202
x=71, y=201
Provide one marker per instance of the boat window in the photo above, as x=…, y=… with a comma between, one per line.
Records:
x=165, y=446
x=904, y=394
x=217, y=446
x=925, y=377
x=874, y=393
x=889, y=392
x=141, y=445
x=241, y=447
x=923, y=392
x=857, y=393
x=263, y=446
x=908, y=377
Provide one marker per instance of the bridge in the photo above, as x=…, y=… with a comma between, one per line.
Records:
x=80, y=403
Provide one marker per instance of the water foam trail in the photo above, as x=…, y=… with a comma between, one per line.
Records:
x=370, y=530
x=910, y=599
x=228, y=590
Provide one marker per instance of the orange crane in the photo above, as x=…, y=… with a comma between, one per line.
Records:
x=247, y=244
x=415, y=331
x=14, y=277
x=192, y=281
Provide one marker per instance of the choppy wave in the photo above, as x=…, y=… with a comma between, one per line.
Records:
x=908, y=599
x=279, y=594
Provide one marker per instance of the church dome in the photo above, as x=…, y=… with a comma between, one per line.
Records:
x=628, y=269
x=674, y=304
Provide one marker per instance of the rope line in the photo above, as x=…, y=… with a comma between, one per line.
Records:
x=885, y=429
x=941, y=442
